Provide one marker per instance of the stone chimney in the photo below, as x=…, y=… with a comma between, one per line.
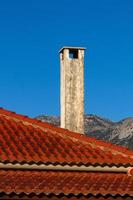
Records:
x=72, y=88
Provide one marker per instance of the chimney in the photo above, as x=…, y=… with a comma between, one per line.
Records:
x=72, y=88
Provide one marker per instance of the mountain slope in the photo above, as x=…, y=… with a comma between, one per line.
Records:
x=116, y=132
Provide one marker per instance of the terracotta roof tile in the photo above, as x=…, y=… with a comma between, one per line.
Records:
x=65, y=182
x=23, y=139
x=26, y=140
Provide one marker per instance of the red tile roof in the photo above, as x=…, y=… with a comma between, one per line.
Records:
x=65, y=183
x=23, y=139
x=26, y=140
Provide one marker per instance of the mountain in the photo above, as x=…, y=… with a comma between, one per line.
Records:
x=120, y=133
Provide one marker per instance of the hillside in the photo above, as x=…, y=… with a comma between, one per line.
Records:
x=116, y=132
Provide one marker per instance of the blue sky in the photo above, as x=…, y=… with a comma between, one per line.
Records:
x=33, y=31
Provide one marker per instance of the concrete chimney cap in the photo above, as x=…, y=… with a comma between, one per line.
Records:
x=70, y=47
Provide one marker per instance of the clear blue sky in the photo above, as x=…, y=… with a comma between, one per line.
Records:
x=32, y=32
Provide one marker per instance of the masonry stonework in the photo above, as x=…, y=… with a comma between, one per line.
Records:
x=72, y=88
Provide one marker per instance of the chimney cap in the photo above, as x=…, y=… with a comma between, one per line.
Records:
x=70, y=47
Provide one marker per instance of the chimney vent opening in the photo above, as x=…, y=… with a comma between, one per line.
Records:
x=73, y=53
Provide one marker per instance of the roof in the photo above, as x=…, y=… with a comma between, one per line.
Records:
x=66, y=183
x=26, y=140
x=29, y=141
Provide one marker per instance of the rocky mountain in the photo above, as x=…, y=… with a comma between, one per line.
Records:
x=120, y=133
